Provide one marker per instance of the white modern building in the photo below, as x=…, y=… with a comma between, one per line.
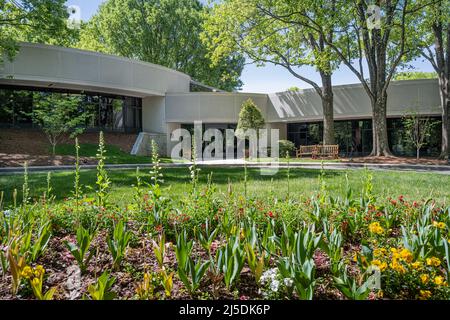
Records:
x=154, y=100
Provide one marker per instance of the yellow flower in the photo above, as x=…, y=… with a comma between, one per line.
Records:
x=379, y=252
x=375, y=228
x=35, y=282
x=433, y=261
x=417, y=265
x=39, y=271
x=27, y=272
x=439, y=280
x=381, y=265
x=424, y=278
x=396, y=266
x=425, y=294
x=439, y=225
x=406, y=255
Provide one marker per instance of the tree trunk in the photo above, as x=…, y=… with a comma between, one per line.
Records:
x=379, y=127
x=418, y=153
x=445, y=103
x=328, y=112
x=444, y=86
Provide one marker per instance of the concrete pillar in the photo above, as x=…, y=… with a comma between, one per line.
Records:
x=154, y=114
x=153, y=126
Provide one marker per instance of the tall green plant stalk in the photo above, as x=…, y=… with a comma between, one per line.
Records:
x=25, y=186
x=245, y=179
x=155, y=174
x=193, y=170
x=49, y=186
x=77, y=186
x=138, y=193
x=103, y=181
x=288, y=157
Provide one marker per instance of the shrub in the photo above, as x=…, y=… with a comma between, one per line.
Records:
x=286, y=146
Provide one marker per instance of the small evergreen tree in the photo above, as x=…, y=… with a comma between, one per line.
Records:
x=250, y=117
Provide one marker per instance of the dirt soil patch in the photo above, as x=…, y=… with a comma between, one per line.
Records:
x=18, y=146
x=34, y=142
x=18, y=160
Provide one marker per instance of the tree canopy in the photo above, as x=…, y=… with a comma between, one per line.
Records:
x=33, y=21
x=250, y=117
x=415, y=75
x=276, y=32
x=164, y=32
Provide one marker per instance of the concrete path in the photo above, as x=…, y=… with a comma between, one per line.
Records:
x=440, y=169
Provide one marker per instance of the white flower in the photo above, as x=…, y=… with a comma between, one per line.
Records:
x=7, y=213
x=269, y=276
x=288, y=282
x=274, y=285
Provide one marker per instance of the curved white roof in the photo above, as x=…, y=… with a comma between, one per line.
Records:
x=40, y=65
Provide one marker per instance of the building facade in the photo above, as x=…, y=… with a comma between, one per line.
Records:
x=133, y=96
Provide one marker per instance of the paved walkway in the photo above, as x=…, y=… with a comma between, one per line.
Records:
x=441, y=169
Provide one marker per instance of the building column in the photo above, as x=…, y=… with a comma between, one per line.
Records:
x=153, y=127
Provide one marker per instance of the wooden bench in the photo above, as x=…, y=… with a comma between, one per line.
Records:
x=328, y=151
x=306, y=151
x=316, y=151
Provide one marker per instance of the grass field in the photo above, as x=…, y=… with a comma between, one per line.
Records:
x=114, y=154
x=303, y=183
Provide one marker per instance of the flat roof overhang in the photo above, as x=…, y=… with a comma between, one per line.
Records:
x=71, y=86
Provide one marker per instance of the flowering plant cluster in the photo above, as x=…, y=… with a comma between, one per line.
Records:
x=209, y=244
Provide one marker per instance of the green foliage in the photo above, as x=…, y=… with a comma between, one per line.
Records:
x=145, y=289
x=192, y=274
x=159, y=249
x=32, y=21
x=42, y=238
x=103, y=182
x=58, y=114
x=35, y=277
x=189, y=271
x=118, y=243
x=250, y=117
x=183, y=250
x=81, y=250
x=418, y=130
x=415, y=75
x=255, y=262
x=155, y=174
x=333, y=246
x=164, y=32
x=281, y=241
x=101, y=290
x=286, y=148
x=350, y=287
x=207, y=235
x=261, y=31
x=230, y=260
x=115, y=154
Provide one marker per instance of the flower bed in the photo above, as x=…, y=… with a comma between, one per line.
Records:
x=210, y=245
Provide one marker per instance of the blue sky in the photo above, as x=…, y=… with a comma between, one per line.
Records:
x=267, y=79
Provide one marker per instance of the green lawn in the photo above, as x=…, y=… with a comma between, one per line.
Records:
x=114, y=154
x=303, y=182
